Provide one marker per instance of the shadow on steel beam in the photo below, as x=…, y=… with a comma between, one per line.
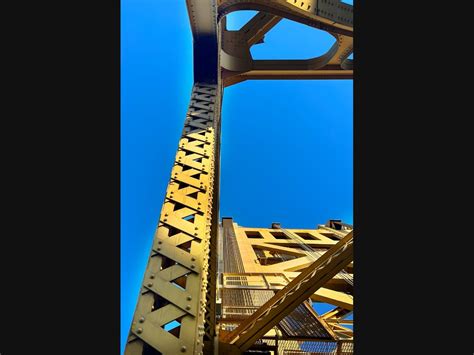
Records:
x=205, y=59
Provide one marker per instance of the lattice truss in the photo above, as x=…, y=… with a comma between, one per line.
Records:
x=266, y=261
x=170, y=314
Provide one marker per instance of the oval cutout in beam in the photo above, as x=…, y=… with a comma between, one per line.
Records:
x=293, y=40
x=237, y=19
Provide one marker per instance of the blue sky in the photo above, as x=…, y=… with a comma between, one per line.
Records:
x=286, y=145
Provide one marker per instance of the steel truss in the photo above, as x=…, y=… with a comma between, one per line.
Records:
x=185, y=304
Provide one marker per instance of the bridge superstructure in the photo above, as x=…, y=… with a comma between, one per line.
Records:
x=213, y=287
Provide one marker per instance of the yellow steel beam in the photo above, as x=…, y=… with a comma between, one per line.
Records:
x=341, y=321
x=287, y=299
x=230, y=78
x=335, y=313
x=174, y=287
x=258, y=26
x=336, y=298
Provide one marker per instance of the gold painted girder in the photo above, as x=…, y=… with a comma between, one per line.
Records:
x=174, y=286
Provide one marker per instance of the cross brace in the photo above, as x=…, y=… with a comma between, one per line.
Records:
x=292, y=295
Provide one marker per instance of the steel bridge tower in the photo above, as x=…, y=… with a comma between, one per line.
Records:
x=214, y=287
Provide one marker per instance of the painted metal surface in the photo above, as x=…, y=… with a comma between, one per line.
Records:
x=198, y=269
x=273, y=261
x=176, y=278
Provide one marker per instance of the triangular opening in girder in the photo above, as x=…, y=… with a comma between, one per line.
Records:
x=194, y=195
x=158, y=302
x=181, y=185
x=173, y=231
x=178, y=206
x=166, y=263
x=194, y=173
x=173, y=327
x=189, y=218
x=185, y=246
x=180, y=282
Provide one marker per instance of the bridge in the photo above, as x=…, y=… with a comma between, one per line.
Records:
x=214, y=287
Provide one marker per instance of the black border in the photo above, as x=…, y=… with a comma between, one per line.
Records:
x=60, y=244
x=412, y=188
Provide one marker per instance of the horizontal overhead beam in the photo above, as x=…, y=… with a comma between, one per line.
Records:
x=230, y=79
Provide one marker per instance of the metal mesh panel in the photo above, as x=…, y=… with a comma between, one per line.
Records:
x=302, y=323
x=240, y=304
x=294, y=347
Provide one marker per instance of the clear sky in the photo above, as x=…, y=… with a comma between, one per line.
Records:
x=286, y=145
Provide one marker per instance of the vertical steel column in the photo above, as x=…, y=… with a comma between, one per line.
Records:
x=171, y=310
x=210, y=335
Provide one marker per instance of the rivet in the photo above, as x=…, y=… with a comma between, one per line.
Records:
x=195, y=234
x=158, y=248
x=165, y=219
x=193, y=266
x=196, y=228
x=139, y=330
x=183, y=349
x=188, y=307
x=189, y=298
x=152, y=276
x=150, y=284
x=160, y=242
x=193, y=259
x=142, y=319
